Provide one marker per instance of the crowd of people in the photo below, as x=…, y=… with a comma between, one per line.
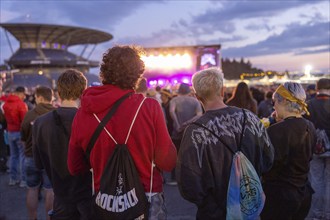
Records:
x=49, y=140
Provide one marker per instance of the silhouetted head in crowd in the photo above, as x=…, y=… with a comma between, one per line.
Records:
x=165, y=95
x=311, y=88
x=141, y=86
x=122, y=66
x=71, y=84
x=269, y=95
x=257, y=94
x=241, y=93
x=158, y=88
x=20, y=89
x=241, y=87
x=242, y=98
x=43, y=94
x=310, y=91
x=323, y=84
x=20, y=92
x=184, y=89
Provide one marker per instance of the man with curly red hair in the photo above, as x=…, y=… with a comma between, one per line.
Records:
x=149, y=140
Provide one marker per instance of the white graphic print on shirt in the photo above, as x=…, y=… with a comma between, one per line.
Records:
x=226, y=126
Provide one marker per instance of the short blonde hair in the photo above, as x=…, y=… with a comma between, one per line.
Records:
x=208, y=83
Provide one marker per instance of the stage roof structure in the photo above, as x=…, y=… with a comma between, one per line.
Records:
x=66, y=35
x=43, y=52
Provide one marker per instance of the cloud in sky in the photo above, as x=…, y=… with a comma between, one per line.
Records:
x=227, y=12
x=101, y=14
x=315, y=51
x=257, y=27
x=295, y=37
x=243, y=28
x=249, y=9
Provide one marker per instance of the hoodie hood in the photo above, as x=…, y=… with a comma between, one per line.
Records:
x=43, y=108
x=100, y=98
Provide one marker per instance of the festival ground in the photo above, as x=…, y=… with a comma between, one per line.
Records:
x=13, y=207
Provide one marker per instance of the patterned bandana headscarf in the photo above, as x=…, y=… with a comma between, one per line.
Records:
x=281, y=90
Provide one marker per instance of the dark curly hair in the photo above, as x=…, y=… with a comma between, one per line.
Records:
x=122, y=66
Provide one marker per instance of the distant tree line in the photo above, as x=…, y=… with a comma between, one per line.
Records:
x=3, y=67
x=232, y=69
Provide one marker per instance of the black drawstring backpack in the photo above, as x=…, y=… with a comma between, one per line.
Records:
x=121, y=194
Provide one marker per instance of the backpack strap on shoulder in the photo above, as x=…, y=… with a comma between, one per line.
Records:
x=129, y=131
x=130, y=128
x=105, y=129
x=217, y=136
x=243, y=129
x=212, y=132
x=152, y=162
x=102, y=123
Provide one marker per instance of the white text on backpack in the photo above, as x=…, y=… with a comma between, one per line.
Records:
x=117, y=203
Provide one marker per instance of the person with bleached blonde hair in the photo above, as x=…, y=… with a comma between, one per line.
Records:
x=204, y=161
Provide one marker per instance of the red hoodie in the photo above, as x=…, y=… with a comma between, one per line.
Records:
x=149, y=139
x=14, y=111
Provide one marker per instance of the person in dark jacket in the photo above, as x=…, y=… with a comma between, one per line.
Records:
x=50, y=141
x=35, y=178
x=166, y=97
x=204, y=163
x=310, y=92
x=265, y=107
x=286, y=185
x=319, y=108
